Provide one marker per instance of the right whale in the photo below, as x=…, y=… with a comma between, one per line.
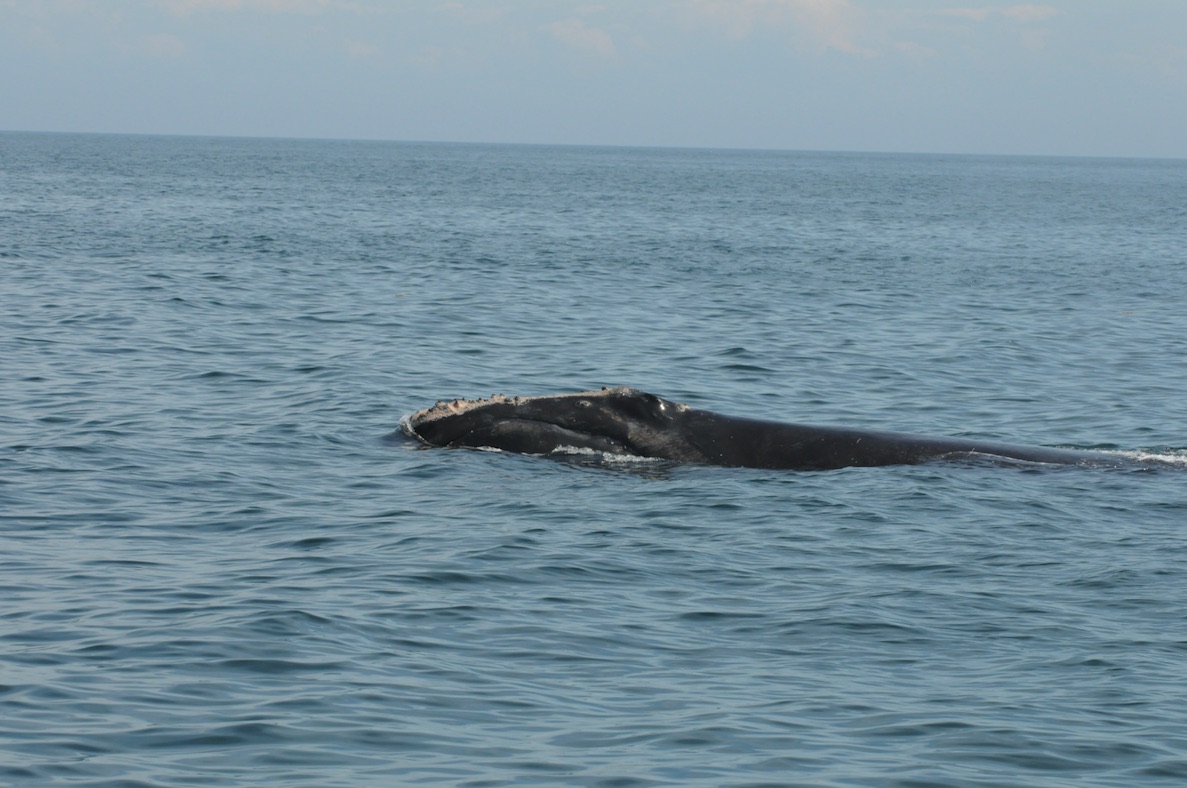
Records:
x=627, y=421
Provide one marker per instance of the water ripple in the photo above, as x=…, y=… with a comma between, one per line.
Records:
x=216, y=571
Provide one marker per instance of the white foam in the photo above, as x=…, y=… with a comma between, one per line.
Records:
x=1177, y=457
x=605, y=456
x=406, y=425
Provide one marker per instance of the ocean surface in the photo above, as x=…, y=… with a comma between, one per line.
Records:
x=215, y=570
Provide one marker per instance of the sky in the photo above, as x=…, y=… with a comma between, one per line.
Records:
x=1064, y=77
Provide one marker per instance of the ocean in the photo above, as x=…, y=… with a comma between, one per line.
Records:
x=216, y=569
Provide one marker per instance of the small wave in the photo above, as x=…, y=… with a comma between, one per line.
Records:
x=405, y=426
x=1175, y=457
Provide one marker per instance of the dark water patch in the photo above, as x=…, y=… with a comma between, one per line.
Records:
x=447, y=578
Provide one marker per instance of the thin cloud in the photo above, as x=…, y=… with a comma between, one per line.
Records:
x=361, y=50
x=975, y=14
x=1018, y=13
x=163, y=45
x=914, y=51
x=1030, y=13
x=1168, y=62
x=187, y=7
x=822, y=24
x=579, y=35
x=475, y=16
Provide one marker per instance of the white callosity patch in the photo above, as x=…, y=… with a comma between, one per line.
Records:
x=455, y=407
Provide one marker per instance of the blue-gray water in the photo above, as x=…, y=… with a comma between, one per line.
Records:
x=214, y=571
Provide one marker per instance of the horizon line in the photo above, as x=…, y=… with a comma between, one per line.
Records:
x=618, y=145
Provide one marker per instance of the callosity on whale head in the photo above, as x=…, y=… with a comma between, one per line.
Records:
x=615, y=420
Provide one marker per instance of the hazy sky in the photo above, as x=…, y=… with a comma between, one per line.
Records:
x=1080, y=77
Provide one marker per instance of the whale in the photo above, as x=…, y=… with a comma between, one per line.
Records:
x=626, y=422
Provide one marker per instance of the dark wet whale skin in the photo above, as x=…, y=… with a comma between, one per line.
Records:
x=631, y=422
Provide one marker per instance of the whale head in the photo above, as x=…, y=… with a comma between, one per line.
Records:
x=614, y=420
